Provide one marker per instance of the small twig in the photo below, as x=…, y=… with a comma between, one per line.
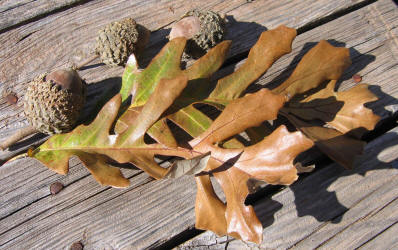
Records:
x=85, y=62
x=24, y=155
x=20, y=134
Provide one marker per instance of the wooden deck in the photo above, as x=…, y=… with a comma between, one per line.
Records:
x=331, y=208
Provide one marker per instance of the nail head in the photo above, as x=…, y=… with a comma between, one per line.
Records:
x=12, y=98
x=77, y=246
x=56, y=187
x=357, y=78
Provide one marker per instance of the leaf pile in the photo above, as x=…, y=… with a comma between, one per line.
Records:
x=162, y=92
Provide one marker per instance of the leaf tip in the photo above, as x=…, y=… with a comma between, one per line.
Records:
x=291, y=31
x=132, y=61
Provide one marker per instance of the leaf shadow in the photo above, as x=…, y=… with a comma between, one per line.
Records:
x=266, y=209
x=312, y=194
x=237, y=29
x=157, y=40
x=98, y=94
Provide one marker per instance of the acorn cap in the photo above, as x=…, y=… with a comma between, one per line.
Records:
x=118, y=40
x=212, y=31
x=53, y=101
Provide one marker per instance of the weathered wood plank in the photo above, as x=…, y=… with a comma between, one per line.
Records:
x=386, y=239
x=373, y=223
x=17, y=12
x=126, y=215
x=19, y=190
x=126, y=227
x=367, y=217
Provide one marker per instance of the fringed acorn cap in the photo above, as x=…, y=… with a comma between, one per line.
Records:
x=53, y=101
x=118, y=40
x=204, y=29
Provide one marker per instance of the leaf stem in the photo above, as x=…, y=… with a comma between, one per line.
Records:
x=87, y=61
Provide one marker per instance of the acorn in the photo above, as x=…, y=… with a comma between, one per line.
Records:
x=52, y=104
x=118, y=40
x=203, y=29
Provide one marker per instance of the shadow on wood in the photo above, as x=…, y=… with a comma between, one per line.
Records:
x=98, y=94
x=315, y=199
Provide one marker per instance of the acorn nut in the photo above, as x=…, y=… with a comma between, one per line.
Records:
x=53, y=102
x=203, y=29
x=118, y=40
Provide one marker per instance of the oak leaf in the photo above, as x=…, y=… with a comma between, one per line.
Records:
x=270, y=160
x=95, y=143
x=163, y=92
x=343, y=114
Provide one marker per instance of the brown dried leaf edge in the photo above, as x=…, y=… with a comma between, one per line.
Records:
x=270, y=159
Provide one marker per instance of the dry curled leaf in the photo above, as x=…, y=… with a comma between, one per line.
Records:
x=163, y=92
x=344, y=115
x=191, y=166
x=270, y=160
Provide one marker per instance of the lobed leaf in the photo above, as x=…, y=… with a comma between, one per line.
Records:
x=129, y=75
x=270, y=160
x=323, y=62
x=344, y=111
x=271, y=45
x=344, y=116
x=94, y=143
x=340, y=147
x=231, y=167
x=201, y=69
x=164, y=92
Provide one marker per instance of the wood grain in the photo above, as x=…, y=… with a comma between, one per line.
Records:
x=149, y=213
x=385, y=239
x=17, y=12
x=375, y=221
